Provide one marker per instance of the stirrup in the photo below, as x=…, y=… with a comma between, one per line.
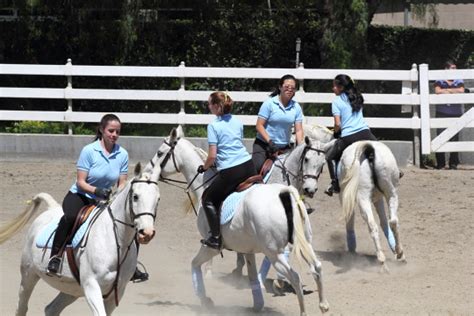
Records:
x=139, y=276
x=213, y=242
x=54, y=264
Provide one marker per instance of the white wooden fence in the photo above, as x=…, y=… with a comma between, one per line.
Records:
x=408, y=97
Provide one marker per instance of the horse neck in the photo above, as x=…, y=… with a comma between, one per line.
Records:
x=119, y=209
x=188, y=162
x=292, y=164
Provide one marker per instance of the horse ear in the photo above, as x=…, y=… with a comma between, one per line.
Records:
x=307, y=140
x=173, y=134
x=138, y=170
x=179, y=131
x=329, y=145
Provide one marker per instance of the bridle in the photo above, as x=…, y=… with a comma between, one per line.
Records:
x=300, y=176
x=309, y=176
x=171, y=154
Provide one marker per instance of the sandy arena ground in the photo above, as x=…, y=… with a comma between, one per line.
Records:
x=437, y=227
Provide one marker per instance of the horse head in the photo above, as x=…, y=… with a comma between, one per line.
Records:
x=143, y=199
x=312, y=161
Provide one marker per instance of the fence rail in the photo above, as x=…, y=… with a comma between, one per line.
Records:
x=409, y=99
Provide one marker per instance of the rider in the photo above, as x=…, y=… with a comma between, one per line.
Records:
x=101, y=164
x=234, y=164
x=349, y=124
x=275, y=118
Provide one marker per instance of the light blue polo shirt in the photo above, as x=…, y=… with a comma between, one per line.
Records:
x=227, y=132
x=279, y=119
x=103, y=170
x=351, y=122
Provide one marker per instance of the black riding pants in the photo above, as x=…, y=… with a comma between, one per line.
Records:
x=72, y=204
x=335, y=153
x=226, y=182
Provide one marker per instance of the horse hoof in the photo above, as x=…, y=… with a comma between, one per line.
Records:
x=384, y=269
x=207, y=303
x=237, y=273
x=278, y=287
x=324, y=307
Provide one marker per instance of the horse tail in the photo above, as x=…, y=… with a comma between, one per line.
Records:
x=350, y=183
x=11, y=228
x=297, y=233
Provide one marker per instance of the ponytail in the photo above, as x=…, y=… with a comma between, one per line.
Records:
x=349, y=88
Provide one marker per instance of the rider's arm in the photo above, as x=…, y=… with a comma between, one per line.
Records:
x=81, y=182
x=299, y=132
x=122, y=180
x=337, y=123
x=211, y=157
x=261, y=129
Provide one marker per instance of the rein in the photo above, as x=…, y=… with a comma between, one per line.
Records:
x=300, y=174
x=133, y=216
x=170, y=154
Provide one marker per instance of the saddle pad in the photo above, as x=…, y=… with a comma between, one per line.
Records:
x=269, y=174
x=47, y=234
x=230, y=204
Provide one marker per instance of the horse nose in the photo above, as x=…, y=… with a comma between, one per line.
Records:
x=145, y=235
x=310, y=192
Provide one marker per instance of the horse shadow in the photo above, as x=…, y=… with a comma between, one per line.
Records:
x=216, y=310
x=242, y=282
x=347, y=261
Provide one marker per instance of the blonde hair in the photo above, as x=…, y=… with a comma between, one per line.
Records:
x=223, y=100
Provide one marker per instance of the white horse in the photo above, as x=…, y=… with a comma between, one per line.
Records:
x=106, y=258
x=368, y=175
x=266, y=219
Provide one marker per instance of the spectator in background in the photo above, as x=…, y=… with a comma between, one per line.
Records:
x=448, y=110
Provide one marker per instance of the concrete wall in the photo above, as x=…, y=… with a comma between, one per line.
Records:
x=447, y=15
x=38, y=147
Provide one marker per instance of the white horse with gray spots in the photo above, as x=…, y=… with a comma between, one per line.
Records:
x=265, y=220
x=369, y=175
x=106, y=257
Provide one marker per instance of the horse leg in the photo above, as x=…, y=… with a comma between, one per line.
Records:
x=281, y=265
x=208, y=269
x=316, y=270
x=366, y=212
x=93, y=296
x=350, y=234
x=257, y=295
x=379, y=206
x=60, y=302
x=239, y=262
x=393, y=206
x=204, y=254
x=28, y=282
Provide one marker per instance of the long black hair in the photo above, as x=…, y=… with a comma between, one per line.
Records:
x=103, y=124
x=349, y=88
x=280, y=83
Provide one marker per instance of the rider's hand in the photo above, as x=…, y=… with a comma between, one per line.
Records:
x=102, y=193
x=337, y=134
x=272, y=148
x=201, y=169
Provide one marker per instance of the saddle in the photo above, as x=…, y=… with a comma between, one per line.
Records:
x=249, y=182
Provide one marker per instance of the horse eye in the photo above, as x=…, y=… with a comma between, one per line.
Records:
x=135, y=198
x=159, y=153
x=306, y=160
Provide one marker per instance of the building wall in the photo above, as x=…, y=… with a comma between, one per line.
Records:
x=447, y=15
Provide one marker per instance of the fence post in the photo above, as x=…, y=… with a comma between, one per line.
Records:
x=416, y=115
x=182, y=88
x=425, y=110
x=69, y=86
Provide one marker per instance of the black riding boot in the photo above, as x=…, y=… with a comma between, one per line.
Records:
x=334, y=187
x=139, y=276
x=214, y=240
x=58, y=245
